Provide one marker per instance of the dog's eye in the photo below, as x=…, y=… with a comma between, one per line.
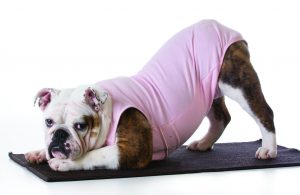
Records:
x=80, y=126
x=49, y=122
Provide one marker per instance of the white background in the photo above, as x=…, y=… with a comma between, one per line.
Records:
x=63, y=44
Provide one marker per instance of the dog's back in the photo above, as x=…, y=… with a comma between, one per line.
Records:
x=176, y=88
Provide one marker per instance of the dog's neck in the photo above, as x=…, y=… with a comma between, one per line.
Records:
x=106, y=118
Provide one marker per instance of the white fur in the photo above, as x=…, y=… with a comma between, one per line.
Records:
x=66, y=107
x=106, y=157
x=236, y=95
x=106, y=117
x=37, y=156
x=269, y=147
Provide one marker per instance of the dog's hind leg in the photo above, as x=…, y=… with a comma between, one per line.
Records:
x=239, y=81
x=218, y=117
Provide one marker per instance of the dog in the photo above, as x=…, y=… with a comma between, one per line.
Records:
x=126, y=122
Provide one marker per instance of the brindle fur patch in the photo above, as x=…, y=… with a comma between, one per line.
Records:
x=93, y=134
x=134, y=140
x=220, y=111
x=238, y=72
x=93, y=122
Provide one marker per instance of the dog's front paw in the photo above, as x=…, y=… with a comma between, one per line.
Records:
x=36, y=156
x=63, y=164
x=265, y=153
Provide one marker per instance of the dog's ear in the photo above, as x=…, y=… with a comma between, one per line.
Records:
x=44, y=97
x=95, y=98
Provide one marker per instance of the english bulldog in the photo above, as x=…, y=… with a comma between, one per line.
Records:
x=127, y=122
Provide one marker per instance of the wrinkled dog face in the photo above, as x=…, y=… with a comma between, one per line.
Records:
x=76, y=120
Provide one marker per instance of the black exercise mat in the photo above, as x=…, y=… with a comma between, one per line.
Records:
x=223, y=157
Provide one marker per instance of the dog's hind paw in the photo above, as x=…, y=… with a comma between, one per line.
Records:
x=265, y=153
x=199, y=146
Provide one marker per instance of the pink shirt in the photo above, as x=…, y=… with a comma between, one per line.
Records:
x=176, y=88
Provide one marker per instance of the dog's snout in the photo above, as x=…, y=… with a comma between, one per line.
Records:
x=61, y=134
x=58, y=147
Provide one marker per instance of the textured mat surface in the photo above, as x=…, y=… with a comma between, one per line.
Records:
x=224, y=157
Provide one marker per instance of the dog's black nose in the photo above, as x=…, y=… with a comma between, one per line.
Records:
x=61, y=134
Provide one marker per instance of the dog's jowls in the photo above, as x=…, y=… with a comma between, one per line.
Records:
x=101, y=126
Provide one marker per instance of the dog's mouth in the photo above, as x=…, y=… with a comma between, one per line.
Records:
x=61, y=151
